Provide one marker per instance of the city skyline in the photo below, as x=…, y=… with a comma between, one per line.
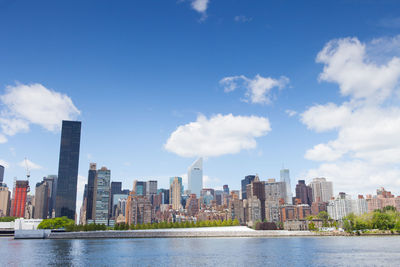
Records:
x=246, y=91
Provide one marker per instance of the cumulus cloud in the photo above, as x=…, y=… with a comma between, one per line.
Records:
x=367, y=147
x=346, y=63
x=325, y=117
x=33, y=104
x=218, y=135
x=31, y=165
x=258, y=89
x=200, y=5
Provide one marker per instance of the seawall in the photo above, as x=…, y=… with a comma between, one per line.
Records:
x=234, y=231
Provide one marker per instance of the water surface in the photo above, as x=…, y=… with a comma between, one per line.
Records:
x=284, y=251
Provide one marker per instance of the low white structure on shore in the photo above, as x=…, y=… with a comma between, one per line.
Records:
x=20, y=224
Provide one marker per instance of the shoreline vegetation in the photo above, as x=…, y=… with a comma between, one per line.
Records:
x=69, y=226
x=378, y=222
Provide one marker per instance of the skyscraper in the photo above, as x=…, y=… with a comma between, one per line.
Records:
x=247, y=180
x=18, y=204
x=102, y=193
x=257, y=190
x=171, y=180
x=175, y=193
x=139, y=188
x=68, y=169
x=322, y=190
x=1, y=174
x=90, y=202
x=226, y=189
x=116, y=189
x=195, y=177
x=304, y=192
x=138, y=210
x=285, y=177
x=151, y=187
x=4, y=201
x=41, y=200
x=51, y=180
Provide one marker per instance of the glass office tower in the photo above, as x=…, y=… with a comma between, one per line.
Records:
x=68, y=169
x=285, y=177
x=195, y=177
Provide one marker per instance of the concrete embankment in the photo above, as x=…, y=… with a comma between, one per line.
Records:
x=234, y=231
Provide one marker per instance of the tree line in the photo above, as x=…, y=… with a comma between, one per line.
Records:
x=70, y=226
x=386, y=219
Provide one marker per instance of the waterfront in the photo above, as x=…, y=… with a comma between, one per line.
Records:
x=289, y=251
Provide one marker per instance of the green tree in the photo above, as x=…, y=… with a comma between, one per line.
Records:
x=7, y=219
x=389, y=208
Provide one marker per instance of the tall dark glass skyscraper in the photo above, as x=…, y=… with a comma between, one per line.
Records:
x=68, y=169
x=92, y=180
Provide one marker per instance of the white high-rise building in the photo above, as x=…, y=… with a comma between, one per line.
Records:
x=285, y=177
x=321, y=189
x=195, y=177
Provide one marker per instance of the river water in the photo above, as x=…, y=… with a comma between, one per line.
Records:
x=285, y=251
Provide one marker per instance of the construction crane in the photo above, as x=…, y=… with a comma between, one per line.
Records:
x=28, y=172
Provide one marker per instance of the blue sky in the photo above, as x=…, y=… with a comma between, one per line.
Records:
x=135, y=71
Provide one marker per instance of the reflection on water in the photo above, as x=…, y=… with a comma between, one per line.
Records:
x=300, y=251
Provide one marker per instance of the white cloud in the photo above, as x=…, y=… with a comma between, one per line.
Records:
x=323, y=152
x=200, y=5
x=34, y=104
x=3, y=139
x=290, y=112
x=367, y=148
x=358, y=177
x=4, y=163
x=12, y=126
x=31, y=165
x=242, y=18
x=219, y=135
x=347, y=64
x=258, y=89
x=325, y=117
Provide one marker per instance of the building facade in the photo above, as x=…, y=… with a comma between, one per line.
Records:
x=322, y=189
x=68, y=169
x=5, y=195
x=102, y=196
x=138, y=210
x=195, y=177
x=176, y=193
x=246, y=181
x=274, y=191
x=304, y=193
x=139, y=188
x=1, y=174
x=285, y=177
x=90, y=196
x=41, y=200
x=51, y=180
x=19, y=200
